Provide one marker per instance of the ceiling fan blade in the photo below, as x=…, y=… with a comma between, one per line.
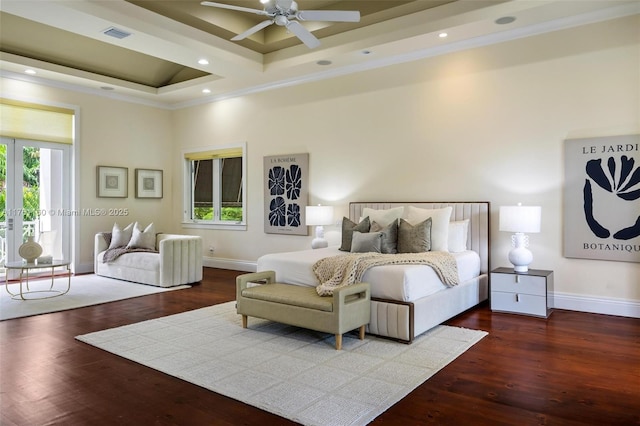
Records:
x=252, y=30
x=284, y=4
x=329, y=15
x=232, y=7
x=303, y=34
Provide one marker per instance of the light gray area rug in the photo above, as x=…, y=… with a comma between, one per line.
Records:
x=292, y=372
x=86, y=290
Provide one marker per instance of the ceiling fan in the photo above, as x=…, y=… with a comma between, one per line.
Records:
x=285, y=13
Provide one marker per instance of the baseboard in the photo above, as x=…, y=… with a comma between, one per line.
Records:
x=596, y=305
x=209, y=262
x=83, y=268
x=233, y=264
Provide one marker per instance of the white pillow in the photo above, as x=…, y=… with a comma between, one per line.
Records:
x=120, y=237
x=439, y=224
x=145, y=239
x=383, y=217
x=458, y=231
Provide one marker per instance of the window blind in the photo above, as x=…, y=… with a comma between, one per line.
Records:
x=216, y=153
x=21, y=120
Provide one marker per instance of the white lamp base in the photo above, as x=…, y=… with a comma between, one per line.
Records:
x=520, y=256
x=319, y=241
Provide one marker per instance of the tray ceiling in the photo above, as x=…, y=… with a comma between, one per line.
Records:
x=64, y=42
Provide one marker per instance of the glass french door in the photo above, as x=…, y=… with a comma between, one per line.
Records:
x=35, y=178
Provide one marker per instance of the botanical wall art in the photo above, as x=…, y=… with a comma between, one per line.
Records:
x=602, y=198
x=148, y=183
x=112, y=182
x=285, y=194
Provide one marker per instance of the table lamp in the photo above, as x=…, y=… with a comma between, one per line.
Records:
x=318, y=216
x=520, y=220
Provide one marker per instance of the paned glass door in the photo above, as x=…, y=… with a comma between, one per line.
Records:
x=35, y=199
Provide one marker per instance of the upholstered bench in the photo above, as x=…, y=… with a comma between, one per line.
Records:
x=348, y=308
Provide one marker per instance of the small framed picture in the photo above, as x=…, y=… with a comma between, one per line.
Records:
x=112, y=182
x=148, y=183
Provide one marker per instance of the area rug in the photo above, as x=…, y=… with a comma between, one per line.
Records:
x=86, y=290
x=288, y=371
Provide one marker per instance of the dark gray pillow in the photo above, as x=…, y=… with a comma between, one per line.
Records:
x=414, y=238
x=389, y=236
x=368, y=242
x=348, y=227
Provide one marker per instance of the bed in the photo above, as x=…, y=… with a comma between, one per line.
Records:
x=407, y=300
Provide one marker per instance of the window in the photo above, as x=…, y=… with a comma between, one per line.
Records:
x=215, y=187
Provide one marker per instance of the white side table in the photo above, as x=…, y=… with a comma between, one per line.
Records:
x=25, y=267
x=521, y=293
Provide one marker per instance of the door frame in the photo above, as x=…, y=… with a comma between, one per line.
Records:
x=74, y=180
x=14, y=204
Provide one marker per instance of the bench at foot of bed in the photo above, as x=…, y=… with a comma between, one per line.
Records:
x=348, y=309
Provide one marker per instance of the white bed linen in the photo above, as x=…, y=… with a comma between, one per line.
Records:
x=396, y=282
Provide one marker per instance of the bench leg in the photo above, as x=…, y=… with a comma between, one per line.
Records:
x=244, y=321
x=361, y=332
x=338, y=342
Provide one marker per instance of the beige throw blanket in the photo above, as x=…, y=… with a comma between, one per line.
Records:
x=345, y=269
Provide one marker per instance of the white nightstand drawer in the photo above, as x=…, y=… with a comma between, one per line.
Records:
x=518, y=283
x=519, y=302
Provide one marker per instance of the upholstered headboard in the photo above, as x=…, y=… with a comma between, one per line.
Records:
x=476, y=211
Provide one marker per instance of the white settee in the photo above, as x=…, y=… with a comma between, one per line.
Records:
x=178, y=261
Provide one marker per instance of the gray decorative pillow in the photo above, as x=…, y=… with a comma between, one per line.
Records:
x=143, y=239
x=120, y=237
x=348, y=228
x=389, y=236
x=414, y=238
x=368, y=242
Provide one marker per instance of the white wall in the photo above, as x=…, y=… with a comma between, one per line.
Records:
x=111, y=133
x=486, y=124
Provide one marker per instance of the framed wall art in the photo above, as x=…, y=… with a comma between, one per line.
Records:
x=148, y=183
x=285, y=194
x=112, y=182
x=602, y=198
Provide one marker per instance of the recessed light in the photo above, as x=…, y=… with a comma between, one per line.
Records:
x=30, y=71
x=106, y=88
x=366, y=52
x=203, y=61
x=505, y=20
x=206, y=91
x=324, y=62
x=443, y=35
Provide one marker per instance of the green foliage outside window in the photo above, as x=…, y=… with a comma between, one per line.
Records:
x=230, y=214
x=233, y=214
x=30, y=184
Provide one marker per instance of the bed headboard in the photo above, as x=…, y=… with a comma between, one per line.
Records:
x=476, y=211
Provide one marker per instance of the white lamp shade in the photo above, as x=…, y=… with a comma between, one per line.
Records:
x=525, y=219
x=319, y=215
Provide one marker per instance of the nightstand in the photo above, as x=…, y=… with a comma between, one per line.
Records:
x=521, y=292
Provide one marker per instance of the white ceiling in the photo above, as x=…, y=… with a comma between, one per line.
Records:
x=397, y=32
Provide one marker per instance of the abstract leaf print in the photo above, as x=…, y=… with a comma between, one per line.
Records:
x=625, y=185
x=276, y=180
x=277, y=215
x=294, y=182
x=293, y=215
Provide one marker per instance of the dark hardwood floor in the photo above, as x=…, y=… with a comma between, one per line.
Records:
x=572, y=369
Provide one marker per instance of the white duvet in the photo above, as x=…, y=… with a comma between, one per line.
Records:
x=396, y=282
